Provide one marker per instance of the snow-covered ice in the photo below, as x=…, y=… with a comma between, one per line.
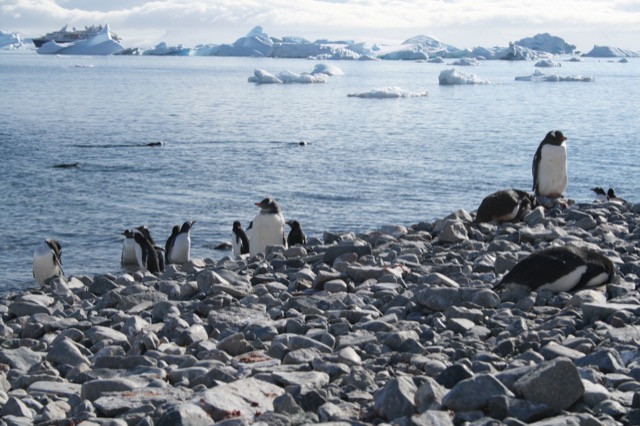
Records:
x=548, y=63
x=452, y=76
x=540, y=76
x=388, y=93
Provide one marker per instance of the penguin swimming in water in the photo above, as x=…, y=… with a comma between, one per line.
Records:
x=267, y=227
x=601, y=196
x=549, y=166
x=128, y=257
x=47, y=261
x=505, y=205
x=559, y=269
x=239, y=240
x=296, y=235
x=168, y=245
x=180, y=251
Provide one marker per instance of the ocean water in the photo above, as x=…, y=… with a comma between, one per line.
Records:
x=229, y=143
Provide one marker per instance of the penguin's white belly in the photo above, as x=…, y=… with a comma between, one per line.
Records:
x=44, y=266
x=181, y=251
x=267, y=230
x=129, y=252
x=552, y=171
x=236, y=245
x=566, y=282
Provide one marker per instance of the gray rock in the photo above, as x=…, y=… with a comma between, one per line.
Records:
x=21, y=358
x=474, y=393
x=555, y=383
x=396, y=398
x=66, y=351
x=94, y=389
x=247, y=397
x=186, y=414
x=429, y=396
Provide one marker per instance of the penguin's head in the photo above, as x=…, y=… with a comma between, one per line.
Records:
x=55, y=246
x=237, y=225
x=598, y=190
x=294, y=224
x=128, y=233
x=555, y=137
x=611, y=193
x=186, y=227
x=269, y=205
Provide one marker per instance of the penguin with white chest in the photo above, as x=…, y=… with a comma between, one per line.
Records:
x=267, y=227
x=239, y=240
x=47, y=261
x=559, y=269
x=128, y=257
x=146, y=254
x=505, y=205
x=549, y=166
x=601, y=196
x=180, y=251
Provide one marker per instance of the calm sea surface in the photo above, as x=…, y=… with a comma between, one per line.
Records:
x=229, y=143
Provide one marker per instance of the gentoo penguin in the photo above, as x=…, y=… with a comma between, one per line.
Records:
x=158, y=249
x=180, y=251
x=168, y=246
x=146, y=253
x=550, y=166
x=611, y=195
x=601, y=196
x=296, y=235
x=128, y=257
x=47, y=261
x=267, y=227
x=239, y=240
x=559, y=269
x=505, y=205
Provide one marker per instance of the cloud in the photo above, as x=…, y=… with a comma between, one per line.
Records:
x=463, y=23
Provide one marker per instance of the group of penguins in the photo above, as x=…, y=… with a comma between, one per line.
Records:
x=556, y=269
x=140, y=251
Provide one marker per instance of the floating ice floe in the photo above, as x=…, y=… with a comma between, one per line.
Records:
x=454, y=77
x=540, y=76
x=330, y=70
x=388, y=93
x=465, y=62
x=547, y=63
x=265, y=77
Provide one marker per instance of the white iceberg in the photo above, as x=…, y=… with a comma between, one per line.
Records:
x=465, y=62
x=389, y=93
x=547, y=63
x=610, y=52
x=547, y=43
x=454, y=77
x=162, y=49
x=100, y=44
x=286, y=77
x=540, y=76
x=330, y=70
x=10, y=41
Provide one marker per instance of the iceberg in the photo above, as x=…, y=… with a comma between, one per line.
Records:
x=329, y=70
x=547, y=63
x=547, y=43
x=453, y=77
x=388, y=93
x=162, y=49
x=610, y=52
x=540, y=76
x=9, y=41
x=465, y=62
x=286, y=77
x=101, y=44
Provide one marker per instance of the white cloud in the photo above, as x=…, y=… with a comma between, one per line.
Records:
x=463, y=23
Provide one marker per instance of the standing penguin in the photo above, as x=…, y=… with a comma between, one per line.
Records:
x=239, y=240
x=267, y=227
x=168, y=246
x=550, y=166
x=559, y=269
x=180, y=251
x=157, y=249
x=47, y=261
x=146, y=253
x=128, y=257
x=601, y=196
x=296, y=235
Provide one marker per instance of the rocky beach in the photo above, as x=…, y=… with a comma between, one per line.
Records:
x=397, y=326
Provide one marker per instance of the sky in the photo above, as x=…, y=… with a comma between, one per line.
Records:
x=461, y=23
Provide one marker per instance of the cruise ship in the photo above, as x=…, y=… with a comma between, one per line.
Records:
x=66, y=35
